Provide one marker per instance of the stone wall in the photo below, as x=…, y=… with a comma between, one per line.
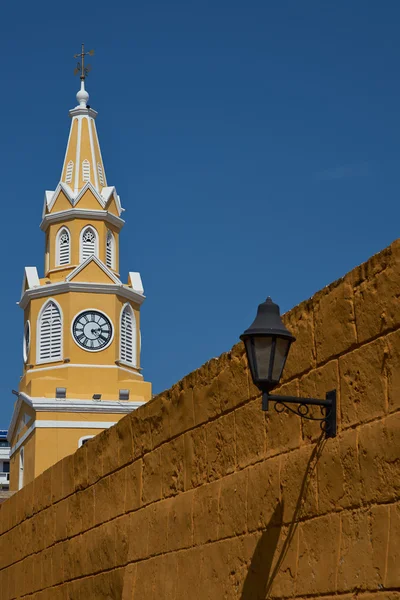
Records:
x=201, y=495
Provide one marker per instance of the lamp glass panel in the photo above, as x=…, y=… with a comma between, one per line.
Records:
x=281, y=352
x=262, y=350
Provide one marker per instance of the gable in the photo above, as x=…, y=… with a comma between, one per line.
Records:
x=112, y=207
x=62, y=202
x=89, y=201
x=91, y=273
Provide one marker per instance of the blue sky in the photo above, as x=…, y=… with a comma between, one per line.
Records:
x=255, y=147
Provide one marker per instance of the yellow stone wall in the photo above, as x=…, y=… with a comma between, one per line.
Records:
x=199, y=494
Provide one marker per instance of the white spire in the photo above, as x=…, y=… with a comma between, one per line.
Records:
x=82, y=96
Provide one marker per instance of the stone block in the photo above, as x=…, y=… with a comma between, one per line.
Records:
x=74, y=524
x=315, y=385
x=232, y=505
x=233, y=384
x=123, y=430
x=379, y=456
x=393, y=370
x=109, y=496
x=220, y=437
x=158, y=526
x=318, y=556
x=356, y=569
x=283, y=574
x=338, y=472
x=181, y=410
x=335, y=329
x=101, y=548
x=195, y=458
x=80, y=468
x=46, y=565
x=49, y=522
x=167, y=586
x=141, y=432
x=152, y=478
x=376, y=301
x=250, y=433
x=283, y=429
x=122, y=539
x=67, y=475
x=298, y=482
x=264, y=508
x=206, y=513
x=362, y=383
x=57, y=560
x=206, y=400
x=110, y=453
x=172, y=466
x=145, y=578
x=56, y=484
x=157, y=413
x=138, y=534
x=129, y=579
x=302, y=355
x=189, y=574
x=180, y=522
x=133, y=485
x=46, y=488
x=392, y=579
x=87, y=508
x=94, y=449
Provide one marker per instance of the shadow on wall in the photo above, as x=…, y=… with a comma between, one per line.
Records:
x=264, y=567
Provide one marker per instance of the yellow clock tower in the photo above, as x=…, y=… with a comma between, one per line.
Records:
x=81, y=343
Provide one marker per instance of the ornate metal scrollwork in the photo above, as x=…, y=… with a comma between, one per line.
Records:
x=302, y=409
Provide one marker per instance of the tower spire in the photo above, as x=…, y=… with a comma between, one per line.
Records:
x=82, y=96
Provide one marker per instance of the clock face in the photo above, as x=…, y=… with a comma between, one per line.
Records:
x=92, y=330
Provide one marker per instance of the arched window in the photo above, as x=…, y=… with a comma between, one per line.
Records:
x=49, y=333
x=21, y=469
x=68, y=172
x=86, y=170
x=128, y=335
x=84, y=439
x=63, y=244
x=110, y=250
x=89, y=244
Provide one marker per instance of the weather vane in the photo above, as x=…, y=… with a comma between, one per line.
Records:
x=80, y=67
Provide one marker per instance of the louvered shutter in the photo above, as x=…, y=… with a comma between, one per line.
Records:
x=63, y=248
x=110, y=250
x=68, y=175
x=86, y=170
x=100, y=173
x=50, y=333
x=128, y=336
x=88, y=243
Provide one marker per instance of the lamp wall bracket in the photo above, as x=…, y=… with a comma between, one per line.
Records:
x=328, y=409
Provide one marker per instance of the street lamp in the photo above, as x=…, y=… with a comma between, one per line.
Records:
x=267, y=343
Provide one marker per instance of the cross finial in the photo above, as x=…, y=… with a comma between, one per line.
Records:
x=80, y=67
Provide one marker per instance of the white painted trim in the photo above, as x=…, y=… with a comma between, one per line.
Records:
x=61, y=287
x=99, y=262
x=82, y=213
x=48, y=360
x=78, y=154
x=57, y=253
x=66, y=151
x=96, y=242
x=61, y=425
x=21, y=469
x=134, y=336
x=26, y=347
x=102, y=313
x=67, y=365
x=92, y=153
x=135, y=281
x=83, y=439
x=30, y=279
x=101, y=158
x=111, y=235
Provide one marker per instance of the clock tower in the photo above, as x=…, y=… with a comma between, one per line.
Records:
x=81, y=342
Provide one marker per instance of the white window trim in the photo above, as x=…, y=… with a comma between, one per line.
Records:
x=58, y=257
x=83, y=439
x=21, y=469
x=86, y=170
x=96, y=244
x=134, y=327
x=69, y=171
x=49, y=360
x=110, y=233
x=26, y=347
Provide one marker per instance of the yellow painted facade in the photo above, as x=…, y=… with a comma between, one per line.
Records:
x=82, y=369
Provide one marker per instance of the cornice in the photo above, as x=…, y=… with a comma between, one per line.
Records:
x=81, y=213
x=60, y=287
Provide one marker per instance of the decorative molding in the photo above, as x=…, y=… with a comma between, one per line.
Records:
x=61, y=425
x=99, y=263
x=132, y=370
x=135, y=282
x=61, y=287
x=81, y=213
